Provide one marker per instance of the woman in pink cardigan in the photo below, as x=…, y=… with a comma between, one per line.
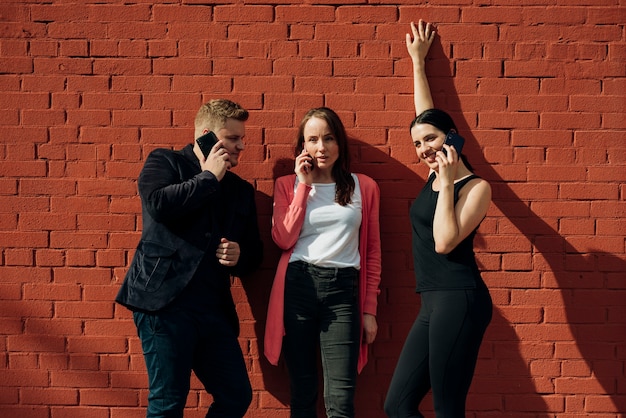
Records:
x=326, y=286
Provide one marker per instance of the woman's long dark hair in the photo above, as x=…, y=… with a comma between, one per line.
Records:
x=341, y=169
x=437, y=118
x=442, y=121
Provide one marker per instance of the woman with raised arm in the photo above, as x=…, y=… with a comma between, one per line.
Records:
x=442, y=347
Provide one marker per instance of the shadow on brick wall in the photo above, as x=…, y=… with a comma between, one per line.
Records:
x=576, y=346
x=501, y=374
x=527, y=368
x=499, y=380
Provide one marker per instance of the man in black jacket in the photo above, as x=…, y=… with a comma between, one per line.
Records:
x=199, y=229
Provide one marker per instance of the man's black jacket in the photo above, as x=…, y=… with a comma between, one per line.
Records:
x=185, y=212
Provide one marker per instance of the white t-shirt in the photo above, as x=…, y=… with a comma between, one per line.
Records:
x=330, y=234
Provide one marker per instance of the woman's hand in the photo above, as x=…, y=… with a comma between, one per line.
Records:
x=448, y=163
x=423, y=36
x=304, y=166
x=370, y=328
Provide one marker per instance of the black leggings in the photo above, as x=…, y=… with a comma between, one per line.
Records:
x=440, y=353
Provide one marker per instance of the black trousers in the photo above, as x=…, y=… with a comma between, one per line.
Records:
x=440, y=353
x=321, y=309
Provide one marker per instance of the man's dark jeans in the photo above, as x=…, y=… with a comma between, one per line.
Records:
x=178, y=341
x=321, y=307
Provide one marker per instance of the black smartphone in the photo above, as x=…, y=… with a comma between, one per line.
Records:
x=456, y=140
x=206, y=142
x=311, y=162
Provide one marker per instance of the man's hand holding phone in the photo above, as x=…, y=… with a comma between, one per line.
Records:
x=216, y=158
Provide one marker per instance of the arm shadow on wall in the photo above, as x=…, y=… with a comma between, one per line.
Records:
x=591, y=330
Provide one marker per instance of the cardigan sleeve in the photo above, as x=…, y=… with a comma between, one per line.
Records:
x=288, y=213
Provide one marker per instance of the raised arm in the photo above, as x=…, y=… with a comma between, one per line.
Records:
x=418, y=45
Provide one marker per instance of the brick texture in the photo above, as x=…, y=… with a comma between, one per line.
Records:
x=89, y=89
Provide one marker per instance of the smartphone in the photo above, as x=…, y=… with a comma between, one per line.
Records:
x=456, y=140
x=206, y=142
x=311, y=162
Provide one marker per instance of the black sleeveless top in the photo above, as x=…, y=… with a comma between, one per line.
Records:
x=433, y=271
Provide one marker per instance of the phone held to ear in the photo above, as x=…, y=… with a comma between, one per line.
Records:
x=311, y=162
x=206, y=142
x=456, y=140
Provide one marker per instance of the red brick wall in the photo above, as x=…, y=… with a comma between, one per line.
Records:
x=537, y=87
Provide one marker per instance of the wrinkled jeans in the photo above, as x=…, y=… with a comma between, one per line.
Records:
x=175, y=343
x=321, y=309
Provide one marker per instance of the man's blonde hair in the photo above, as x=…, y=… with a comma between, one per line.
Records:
x=213, y=114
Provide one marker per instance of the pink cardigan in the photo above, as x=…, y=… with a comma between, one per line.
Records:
x=287, y=220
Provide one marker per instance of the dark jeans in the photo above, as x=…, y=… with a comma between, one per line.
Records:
x=321, y=307
x=175, y=343
x=440, y=352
